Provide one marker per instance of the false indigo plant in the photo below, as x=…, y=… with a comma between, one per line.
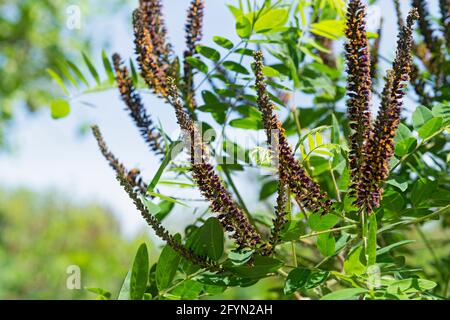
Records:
x=432, y=51
x=364, y=163
x=370, y=148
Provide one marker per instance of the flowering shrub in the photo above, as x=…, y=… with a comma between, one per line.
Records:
x=357, y=199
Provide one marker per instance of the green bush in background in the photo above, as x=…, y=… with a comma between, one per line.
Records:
x=41, y=234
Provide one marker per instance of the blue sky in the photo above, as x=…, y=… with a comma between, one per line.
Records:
x=51, y=155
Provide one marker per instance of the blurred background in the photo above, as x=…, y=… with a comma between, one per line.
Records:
x=59, y=202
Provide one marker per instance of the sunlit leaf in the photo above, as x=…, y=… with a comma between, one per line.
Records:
x=91, y=68
x=167, y=266
x=59, y=108
x=209, y=53
x=430, y=127
x=58, y=80
x=243, y=27
x=272, y=19
x=223, y=42
x=236, y=67
x=197, y=64
x=139, y=273
x=344, y=294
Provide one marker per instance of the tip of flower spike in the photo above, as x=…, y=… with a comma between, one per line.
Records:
x=116, y=58
x=258, y=54
x=412, y=16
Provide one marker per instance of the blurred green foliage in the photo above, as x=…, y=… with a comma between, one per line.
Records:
x=42, y=234
x=37, y=35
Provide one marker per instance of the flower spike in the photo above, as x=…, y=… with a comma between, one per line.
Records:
x=359, y=86
x=306, y=190
x=133, y=176
x=134, y=185
x=230, y=215
x=380, y=146
x=193, y=34
x=152, y=69
x=136, y=108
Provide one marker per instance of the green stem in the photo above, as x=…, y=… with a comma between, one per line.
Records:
x=338, y=194
x=364, y=232
x=313, y=234
x=294, y=254
x=442, y=210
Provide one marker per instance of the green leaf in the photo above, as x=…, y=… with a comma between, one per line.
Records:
x=430, y=127
x=236, y=67
x=102, y=294
x=250, y=123
x=401, y=185
x=77, y=72
x=223, y=42
x=245, y=52
x=63, y=68
x=208, y=240
x=405, y=141
x=335, y=131
x=293, y=230
x=58, y=80
x=188, y=290
x=372, y=240
x=405, y=146
x=91, y=68
x=331, y=29
x=197, y=64
x=319, y=222
x=442, y=110
x=239, y=258
x=165, y=207
x=309, y=53
x=59, y=108
x=124, y=293
x=262, y=265
x=209, y=97
x=167, y=198
x=268, y=189
x=152, y=208
x=139, y=273
x=243, y=27
x=134, y=74
x=355, y=264
x=411, y=285
x=403, y=132
x=167, y=266
x=234, y=10
x=208, y=53
x=421, y=191
x=344, y=294
x=393, y=201
x=388, y=248
x=174, y=149
x=326, y=244
x=108, y=67
x=274, y=18
x=302, y=278
x=271, y=72
x=420, y=116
